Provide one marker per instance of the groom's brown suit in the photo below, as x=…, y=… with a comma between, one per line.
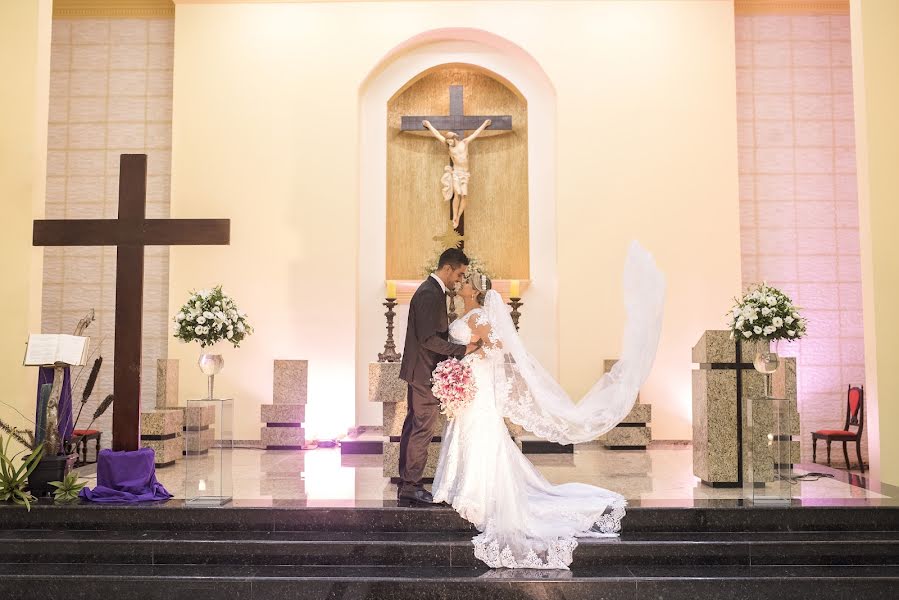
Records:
x=426, y=345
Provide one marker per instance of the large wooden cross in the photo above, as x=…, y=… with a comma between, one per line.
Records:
x=457, y=122
x=130, y=232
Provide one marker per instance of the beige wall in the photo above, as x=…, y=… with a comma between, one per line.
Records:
x=25, y=64
x=875, y=47
x=265, y=131
x=110, y=93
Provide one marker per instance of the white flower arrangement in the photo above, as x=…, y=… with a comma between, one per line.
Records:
x=208, y=317
x=475, y=266
x=767, y=313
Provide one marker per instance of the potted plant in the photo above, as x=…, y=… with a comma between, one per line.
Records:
x=14, y=481
x=67, y=490
x=765, y=313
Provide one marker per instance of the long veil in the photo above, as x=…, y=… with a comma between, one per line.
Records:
x=529, y=396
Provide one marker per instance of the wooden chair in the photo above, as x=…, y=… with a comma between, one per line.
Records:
x=855, y=417
x=80, y=437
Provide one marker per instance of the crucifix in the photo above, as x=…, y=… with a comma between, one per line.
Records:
x=456, y=124
x=130, y=232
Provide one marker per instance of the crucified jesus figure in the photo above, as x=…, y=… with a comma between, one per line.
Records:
x=458, y=152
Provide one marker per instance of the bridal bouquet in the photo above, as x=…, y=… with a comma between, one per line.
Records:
x=210, y=316
x=454, y=386
x=765, y=312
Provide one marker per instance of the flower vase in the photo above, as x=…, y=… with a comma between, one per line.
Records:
x=767, y=361
x=211, y=364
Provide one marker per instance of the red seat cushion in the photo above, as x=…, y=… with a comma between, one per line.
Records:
x=85, y=432
x=835, y=433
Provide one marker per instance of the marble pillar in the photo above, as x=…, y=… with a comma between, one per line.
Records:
x=284, y=418
x=386, y=387
x=722, y=385
x=633, y=433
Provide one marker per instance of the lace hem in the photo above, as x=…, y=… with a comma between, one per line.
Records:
x=558, y=555
x=559, y=552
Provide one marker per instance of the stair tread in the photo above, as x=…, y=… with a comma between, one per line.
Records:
x=372, y=573
x=335, y=537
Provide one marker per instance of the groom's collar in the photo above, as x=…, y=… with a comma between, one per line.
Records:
x=440, y=281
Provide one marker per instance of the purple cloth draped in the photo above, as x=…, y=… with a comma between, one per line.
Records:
x=45, y=375
x=126, y=477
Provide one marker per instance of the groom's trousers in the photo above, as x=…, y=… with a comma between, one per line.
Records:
x=418, y=429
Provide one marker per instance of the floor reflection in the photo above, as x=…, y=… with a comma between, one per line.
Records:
x=658, y=476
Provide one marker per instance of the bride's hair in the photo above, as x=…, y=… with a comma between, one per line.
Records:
x=480, y=283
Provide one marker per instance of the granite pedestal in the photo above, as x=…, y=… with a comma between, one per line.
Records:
x=284, y=418
x=724, y=381
x=162, y=428
x=386, y=387
x=633, y=432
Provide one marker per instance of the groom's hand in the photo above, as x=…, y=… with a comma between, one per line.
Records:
x=472, y=348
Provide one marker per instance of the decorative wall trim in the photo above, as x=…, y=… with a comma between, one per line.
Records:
x=791, y=7
x=113, y=8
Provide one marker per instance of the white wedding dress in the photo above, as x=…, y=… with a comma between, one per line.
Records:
x=526, y=522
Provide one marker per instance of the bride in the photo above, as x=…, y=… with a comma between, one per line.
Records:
x=526, y=522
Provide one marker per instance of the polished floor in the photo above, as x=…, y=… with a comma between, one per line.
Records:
x=659, y=476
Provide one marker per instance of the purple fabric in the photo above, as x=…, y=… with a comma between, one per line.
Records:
x=64, y=412
x=126, y=477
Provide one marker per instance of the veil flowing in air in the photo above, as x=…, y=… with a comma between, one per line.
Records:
x=529, y=396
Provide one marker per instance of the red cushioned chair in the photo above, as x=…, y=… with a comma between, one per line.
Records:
x=80, y=438
x=855, y=417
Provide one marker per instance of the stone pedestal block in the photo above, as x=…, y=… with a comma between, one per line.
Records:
x=392, y=460
x=161, y=430
x=167, y=383
x=293, y=414
x=167, y=451
x=283, y=437
x=627, y=438
x=632, y=433
x=284, y=418
x=198, y=441
x=384, y=383
x=289, y=381
x=385, y=386
x=720, y=423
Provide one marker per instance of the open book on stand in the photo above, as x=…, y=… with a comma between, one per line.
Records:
x=46, y=349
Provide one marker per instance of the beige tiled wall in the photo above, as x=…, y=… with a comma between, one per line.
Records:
x=798, y=203
x=110, y=93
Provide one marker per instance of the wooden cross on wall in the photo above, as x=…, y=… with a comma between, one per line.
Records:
x=457, y=122
x=130, y=233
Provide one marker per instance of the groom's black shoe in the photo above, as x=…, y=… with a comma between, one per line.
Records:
x=415, y=497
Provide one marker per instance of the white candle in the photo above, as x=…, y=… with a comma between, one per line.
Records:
x=391, y=289
x=515, y=289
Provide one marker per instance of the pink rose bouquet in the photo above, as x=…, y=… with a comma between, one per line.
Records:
x=454, y=386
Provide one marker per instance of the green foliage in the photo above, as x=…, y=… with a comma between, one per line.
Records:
x=14, y=480
x=67, y=489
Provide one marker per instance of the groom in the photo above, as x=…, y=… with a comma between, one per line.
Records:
x=426, y=345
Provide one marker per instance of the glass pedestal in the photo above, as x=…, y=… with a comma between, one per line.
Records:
x=208, y=442
x=767, y=460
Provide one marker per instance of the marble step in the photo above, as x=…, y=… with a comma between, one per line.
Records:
x=191, y=582
x=385, y=516
x=436, y=549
